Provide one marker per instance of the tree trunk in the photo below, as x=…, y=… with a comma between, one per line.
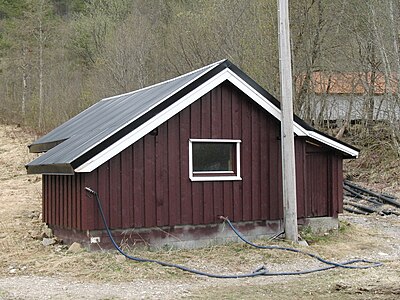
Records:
x=42, y=39
x=394, y=122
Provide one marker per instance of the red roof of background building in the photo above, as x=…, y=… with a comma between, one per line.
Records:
x=349, y=83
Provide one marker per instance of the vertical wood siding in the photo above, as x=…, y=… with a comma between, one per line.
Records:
x=148, y=185
x=300, y=146
x=323, y=189
x=62, y=201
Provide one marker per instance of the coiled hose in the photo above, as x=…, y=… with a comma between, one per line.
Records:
x=262, y=271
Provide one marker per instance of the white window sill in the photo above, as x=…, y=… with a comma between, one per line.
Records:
x=215, y=178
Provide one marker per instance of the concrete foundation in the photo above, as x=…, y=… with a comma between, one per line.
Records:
x=322, y=224
x=187, y=236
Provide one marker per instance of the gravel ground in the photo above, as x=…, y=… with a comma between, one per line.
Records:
x=384, y=236
x=34, y=287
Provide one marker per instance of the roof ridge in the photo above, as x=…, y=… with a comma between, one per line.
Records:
x=165, y=81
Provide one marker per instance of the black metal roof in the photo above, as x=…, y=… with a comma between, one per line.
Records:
x=98, y=127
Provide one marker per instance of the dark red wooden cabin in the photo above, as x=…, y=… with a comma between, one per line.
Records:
x=169, y=159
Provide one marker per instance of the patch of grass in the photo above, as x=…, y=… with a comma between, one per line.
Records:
x=344, y=227
x=3, y=294
x=312, y=237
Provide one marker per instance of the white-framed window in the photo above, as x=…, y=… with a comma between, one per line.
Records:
x=214, y=159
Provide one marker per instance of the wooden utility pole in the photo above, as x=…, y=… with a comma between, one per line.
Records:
x=287, y=134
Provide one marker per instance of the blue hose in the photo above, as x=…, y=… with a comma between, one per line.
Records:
x=262, y=271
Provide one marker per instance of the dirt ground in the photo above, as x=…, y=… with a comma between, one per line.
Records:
x=29, y=270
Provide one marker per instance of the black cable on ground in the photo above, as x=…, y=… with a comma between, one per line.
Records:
x=385, y=199
x=355, y=210
x=355, y=194
x=262, y=271
x=341, y=265
x=362, y=207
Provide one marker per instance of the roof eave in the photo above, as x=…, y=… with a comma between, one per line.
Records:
x=43, y=147
x=346, y=150
x=55, y=169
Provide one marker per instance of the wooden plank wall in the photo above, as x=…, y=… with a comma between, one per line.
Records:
x=62, y=200
x=323, y=191
x=300, y=176
x=148, y=185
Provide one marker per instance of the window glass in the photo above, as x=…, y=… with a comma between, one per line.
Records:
x=213, y=156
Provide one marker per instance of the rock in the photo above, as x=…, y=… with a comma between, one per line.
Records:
x=60, y=248
x=75, y=248
x=303, y=243
x=47, y=232
x=35, y=234
x=13, y=271
x=48, y=241
x=33, y=215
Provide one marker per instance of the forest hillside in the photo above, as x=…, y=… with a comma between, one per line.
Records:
x=57, y=57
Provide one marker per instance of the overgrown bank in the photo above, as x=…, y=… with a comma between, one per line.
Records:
x=379, y=160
